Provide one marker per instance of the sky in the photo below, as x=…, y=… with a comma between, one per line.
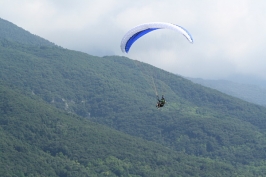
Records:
x=229, y=35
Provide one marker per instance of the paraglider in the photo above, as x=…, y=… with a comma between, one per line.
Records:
x=160, y=102
x=135, y=33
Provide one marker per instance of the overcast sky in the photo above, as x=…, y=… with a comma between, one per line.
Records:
x=229, y=35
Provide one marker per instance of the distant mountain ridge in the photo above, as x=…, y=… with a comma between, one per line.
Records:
x=12, y=32
x=251, y=93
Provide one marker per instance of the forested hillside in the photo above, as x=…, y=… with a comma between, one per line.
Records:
x=39, y=140
x=114, y=91
x=119, y=92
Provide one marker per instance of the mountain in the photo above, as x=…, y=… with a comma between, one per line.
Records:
x=251, y=93
x=197, y=122
x=247, y=79
x=114, y=91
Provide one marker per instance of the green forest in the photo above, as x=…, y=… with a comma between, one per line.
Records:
x=68, y=113
x=40, y=140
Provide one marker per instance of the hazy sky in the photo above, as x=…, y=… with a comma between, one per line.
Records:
x=229, y=35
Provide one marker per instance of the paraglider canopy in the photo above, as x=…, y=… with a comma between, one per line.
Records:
x=135, y=33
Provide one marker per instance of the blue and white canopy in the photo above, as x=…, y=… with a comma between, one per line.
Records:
x=135, y=33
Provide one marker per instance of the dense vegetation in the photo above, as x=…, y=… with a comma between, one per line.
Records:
x=39, y=140
x=225, y=134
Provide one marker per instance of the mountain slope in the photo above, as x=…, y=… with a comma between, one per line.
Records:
x=114, y=91
x=39, y=140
